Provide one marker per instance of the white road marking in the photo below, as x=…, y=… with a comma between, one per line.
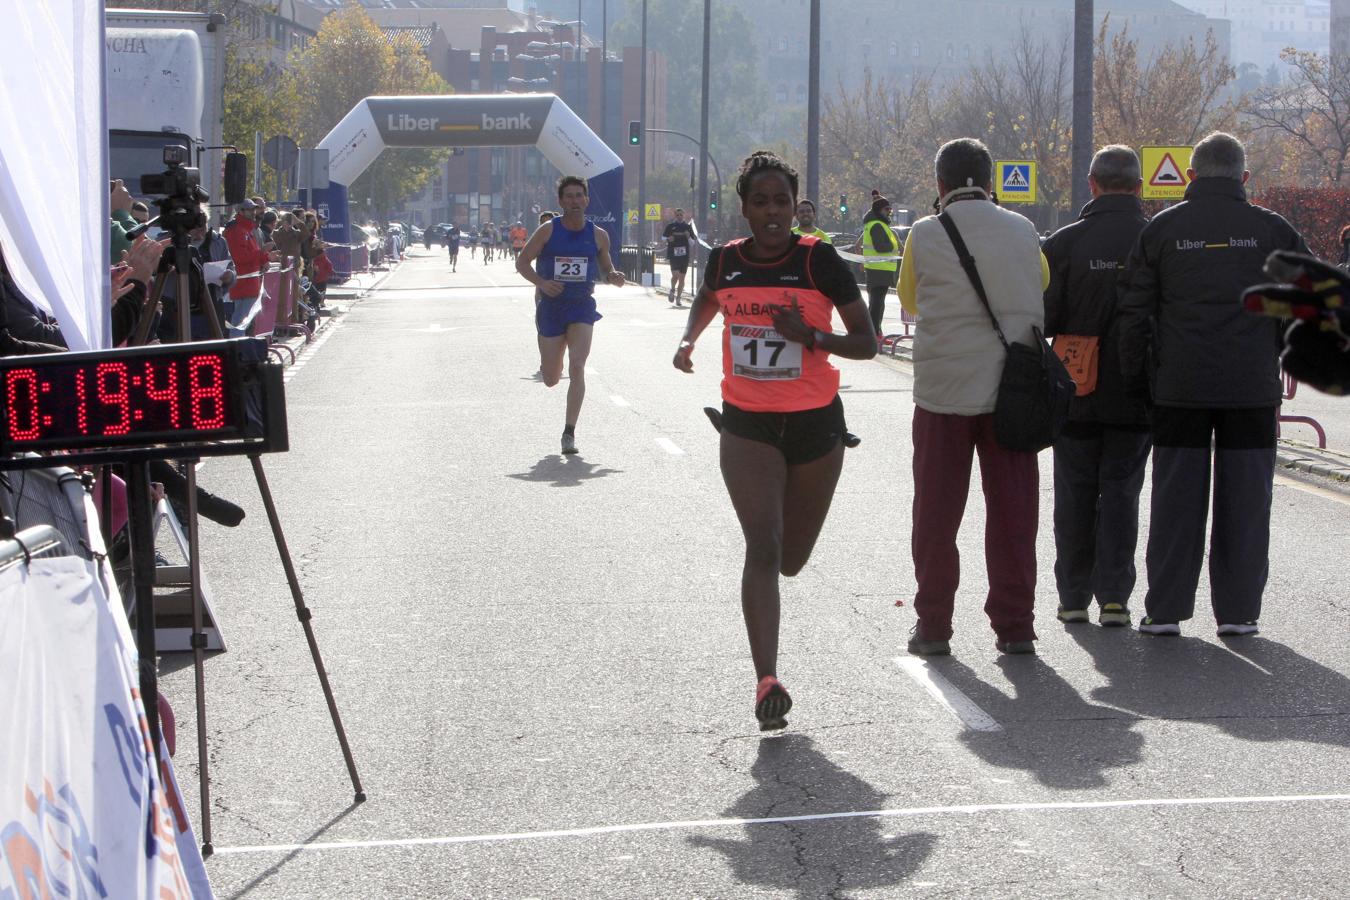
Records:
x=947, y=694
x=911, y=812
x=618, y=401
x=669, y=446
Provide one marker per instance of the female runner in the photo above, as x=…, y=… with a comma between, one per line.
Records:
x=782, y=422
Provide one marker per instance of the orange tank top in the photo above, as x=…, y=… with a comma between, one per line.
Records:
x=761, y=370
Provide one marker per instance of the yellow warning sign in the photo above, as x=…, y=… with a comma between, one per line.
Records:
x=653, y=212
x=1164, y=171
x=632, y=217
x=1015, y=180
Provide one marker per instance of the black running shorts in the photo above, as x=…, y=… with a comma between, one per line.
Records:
x=802, y=437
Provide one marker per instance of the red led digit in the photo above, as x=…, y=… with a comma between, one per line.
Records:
x=115, y=372
x=207, y=391
x=167, y=394
x=82, y=402
x=23, y=383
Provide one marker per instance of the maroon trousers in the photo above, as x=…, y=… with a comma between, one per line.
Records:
x=943, y=449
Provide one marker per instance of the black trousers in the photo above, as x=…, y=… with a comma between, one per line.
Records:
x=876, y=304
x=1099, y=472
x=1241, y=445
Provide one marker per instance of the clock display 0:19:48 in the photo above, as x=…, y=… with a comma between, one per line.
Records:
x=117, y=398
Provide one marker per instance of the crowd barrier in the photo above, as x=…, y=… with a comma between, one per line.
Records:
x=634, y=260
x=1290, y=387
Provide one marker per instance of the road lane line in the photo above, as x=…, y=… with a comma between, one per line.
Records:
x=669, y=446
x=947, y=695
x=618, y=401
x=912, y=812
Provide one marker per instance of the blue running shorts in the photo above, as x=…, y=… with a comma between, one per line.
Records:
x=552, y=315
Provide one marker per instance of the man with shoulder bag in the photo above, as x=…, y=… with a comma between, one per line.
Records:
x=1101, y=455
x=964, y=341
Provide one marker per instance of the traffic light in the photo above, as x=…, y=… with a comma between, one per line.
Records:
x=712, y=199
x=843, y=204
x=634, y=133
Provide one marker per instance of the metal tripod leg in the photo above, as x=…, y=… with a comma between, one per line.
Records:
x=302, y=612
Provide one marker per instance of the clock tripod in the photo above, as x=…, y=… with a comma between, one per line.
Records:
x=179, y=218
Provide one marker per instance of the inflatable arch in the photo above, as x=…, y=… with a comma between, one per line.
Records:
x=475, y=120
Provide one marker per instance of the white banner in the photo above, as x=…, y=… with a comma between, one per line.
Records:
x=54, y=164
x=84, y=810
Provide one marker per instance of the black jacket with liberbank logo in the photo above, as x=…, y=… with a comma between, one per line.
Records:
x=1182, y=325
x=1086, y=261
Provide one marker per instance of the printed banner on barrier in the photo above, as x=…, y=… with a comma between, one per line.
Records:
x=84, y=809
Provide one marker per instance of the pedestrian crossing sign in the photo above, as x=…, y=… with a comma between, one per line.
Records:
x=1015, y=180
x=632, y=217
x=653, y=212
x=1164, y=170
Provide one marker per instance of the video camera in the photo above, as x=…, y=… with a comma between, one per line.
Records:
x=181, y=187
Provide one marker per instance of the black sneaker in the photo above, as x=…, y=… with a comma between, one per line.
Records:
x=919, y=646
x=1114, y=615
x=1072, y=616
x=1238, y=629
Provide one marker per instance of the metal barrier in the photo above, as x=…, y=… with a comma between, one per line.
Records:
x=892, y=341
x=634, y=260
x=1290, y=386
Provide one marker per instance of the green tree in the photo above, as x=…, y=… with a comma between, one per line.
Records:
x=349, y=60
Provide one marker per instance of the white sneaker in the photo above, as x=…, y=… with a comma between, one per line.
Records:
x=1149, y=626
x=569, y=444
x=1232, y=629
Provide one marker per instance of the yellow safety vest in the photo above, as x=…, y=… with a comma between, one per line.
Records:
x=814, y=232
x=888, y=265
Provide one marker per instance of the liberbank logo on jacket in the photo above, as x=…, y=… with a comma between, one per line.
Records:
x=1185, y=244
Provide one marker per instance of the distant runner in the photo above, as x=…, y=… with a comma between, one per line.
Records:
x=452, y=244
x=676, y=235
x=571, y=253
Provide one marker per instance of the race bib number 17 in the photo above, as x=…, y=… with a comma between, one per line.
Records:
x=760, y=353
x=569, y=268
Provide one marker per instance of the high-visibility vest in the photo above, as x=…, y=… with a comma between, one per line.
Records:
x=888, y=265
x=815, y=233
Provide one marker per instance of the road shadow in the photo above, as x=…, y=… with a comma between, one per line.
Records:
x=1251, y=688
x=820, y=858
x=1050, y=729
x=262, y=877
x=564, y=471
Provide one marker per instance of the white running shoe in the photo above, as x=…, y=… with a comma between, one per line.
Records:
x=569, y=444
x=1238, y=629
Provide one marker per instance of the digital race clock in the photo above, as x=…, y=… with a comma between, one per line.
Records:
x=207, y=398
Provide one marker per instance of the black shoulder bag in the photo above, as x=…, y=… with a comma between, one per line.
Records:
x=1035, y=389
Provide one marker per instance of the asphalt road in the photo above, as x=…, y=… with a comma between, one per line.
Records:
x=541, y=665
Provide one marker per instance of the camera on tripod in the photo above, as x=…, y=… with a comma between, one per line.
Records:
x=181, y=186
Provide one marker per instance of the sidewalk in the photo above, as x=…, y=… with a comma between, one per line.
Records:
x=1328, y=464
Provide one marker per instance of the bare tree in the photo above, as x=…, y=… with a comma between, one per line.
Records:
x=1311, y=112
x=1172, y=99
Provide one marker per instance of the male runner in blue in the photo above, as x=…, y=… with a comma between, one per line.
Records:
x=572, y=252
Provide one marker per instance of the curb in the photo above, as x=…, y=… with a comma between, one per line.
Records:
x=1326, y=464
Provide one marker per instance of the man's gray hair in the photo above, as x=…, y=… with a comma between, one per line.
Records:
x=1219, y=155
x=964, y=162
x=1115, y=168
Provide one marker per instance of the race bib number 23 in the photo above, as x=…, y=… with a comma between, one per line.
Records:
x=569, y=268
x=760, y=353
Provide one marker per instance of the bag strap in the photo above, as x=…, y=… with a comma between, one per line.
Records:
x=968, y=263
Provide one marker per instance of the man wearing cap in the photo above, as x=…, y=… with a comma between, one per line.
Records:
x=250, y=261
x=878, y=242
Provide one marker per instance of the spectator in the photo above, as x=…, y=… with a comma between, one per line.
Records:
x=250, y=261
x=958, y=361
x=119, y=201
x=23, y=319
x=1100, y=457
x=12, y=344
x=140, y=212
x=266, y=222
x=877, y=242
x=1214, y=374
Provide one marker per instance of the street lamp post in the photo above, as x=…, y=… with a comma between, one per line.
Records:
x=813, y=108
x=642, y=146
x=704, y=155
x=1082, y=102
